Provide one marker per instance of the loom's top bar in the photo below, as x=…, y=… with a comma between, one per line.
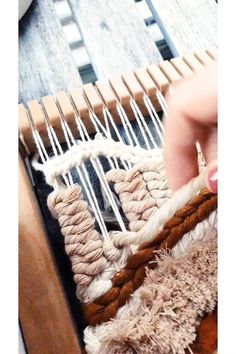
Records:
x=93, y=98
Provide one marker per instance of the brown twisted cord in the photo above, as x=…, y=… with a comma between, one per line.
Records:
x=132, y=276
x=206, y=340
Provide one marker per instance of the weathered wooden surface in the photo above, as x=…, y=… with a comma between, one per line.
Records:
x=187, y=25
x=44, y=314
x=115, y=36
x=46, y=65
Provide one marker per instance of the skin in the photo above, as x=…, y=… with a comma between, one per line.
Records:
x=191, y=118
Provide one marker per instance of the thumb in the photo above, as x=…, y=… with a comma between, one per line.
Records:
x=211, y=176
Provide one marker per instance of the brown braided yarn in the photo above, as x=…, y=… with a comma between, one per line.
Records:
x=132, y=276
x=206, y=340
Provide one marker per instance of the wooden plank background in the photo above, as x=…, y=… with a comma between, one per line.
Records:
x=45, y=61
x=187, y=25
x=115, y=36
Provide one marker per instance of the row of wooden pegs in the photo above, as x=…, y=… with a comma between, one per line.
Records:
x=117, y=90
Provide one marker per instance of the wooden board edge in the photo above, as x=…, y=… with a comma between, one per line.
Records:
x=45, y=318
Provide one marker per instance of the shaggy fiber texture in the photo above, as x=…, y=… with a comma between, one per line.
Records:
x=126, y=281
x=163, y=314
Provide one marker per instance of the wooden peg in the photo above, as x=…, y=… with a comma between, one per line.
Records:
x=25, y=130
x=159, y=78
x=53, y=115
x=67, y=111
x=122, y=94
x=182, y=68
x=136, y=90
x=38, y=117
x=120, y=90
x=79, y=102
x=204, y=58
x=109, y=97
x=93, y=98
x=106, y=93
x=193, y=62
x=212, y=52
x=149, y=86
x=169, y=71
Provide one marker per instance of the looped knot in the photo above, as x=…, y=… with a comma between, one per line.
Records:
x=111, y=252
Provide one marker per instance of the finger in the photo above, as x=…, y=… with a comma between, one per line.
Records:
x=180, y=153
x=208, y=143
x=211, y=177
x=192, y=106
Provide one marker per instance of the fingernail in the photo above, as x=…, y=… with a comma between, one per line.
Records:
x=170, y=91
x=213, y=180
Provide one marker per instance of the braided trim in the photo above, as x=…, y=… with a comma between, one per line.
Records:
x=131, y=277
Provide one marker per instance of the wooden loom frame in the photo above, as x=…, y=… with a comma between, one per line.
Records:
x=54, y=331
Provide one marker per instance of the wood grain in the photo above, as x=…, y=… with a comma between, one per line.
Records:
x=187, y=25
x=46, y=64
x=44, y=315
x=115, y=36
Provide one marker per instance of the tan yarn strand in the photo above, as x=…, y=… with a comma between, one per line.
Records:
x=82, y=242
x=131, y=277
x=142, y=190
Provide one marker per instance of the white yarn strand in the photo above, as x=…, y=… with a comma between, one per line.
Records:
x=106, y=113
x=82, y=152
x=162, y=101
x=154, y=117
x=140, y=125
x=127, y=126
x=143, y=122
x=88, y=188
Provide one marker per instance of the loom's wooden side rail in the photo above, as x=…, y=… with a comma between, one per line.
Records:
x=133, y=84
x=44, y=314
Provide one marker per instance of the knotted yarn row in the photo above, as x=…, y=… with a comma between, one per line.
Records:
x=141, y=190
x=83, y=243
x=83, y=151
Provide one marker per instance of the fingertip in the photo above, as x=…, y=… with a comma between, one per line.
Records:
x=212, y=179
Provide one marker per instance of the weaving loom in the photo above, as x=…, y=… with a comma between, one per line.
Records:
x=139, y=254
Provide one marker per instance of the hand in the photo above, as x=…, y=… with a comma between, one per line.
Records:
x=192, y=117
